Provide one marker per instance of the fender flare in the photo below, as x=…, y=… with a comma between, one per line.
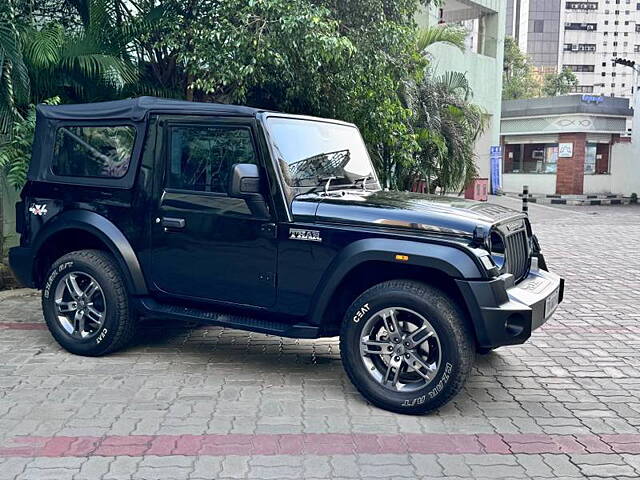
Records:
x=451, y=260
x=108, y=233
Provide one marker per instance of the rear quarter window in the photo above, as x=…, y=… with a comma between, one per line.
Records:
x=95, y=151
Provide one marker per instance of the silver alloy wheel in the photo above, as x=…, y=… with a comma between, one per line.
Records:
x=400, y=349
x=80, y=305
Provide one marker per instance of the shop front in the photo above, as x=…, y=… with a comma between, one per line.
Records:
x=557, y=145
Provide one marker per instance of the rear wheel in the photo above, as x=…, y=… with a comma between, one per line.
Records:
x=85, y=303
x=406, y=346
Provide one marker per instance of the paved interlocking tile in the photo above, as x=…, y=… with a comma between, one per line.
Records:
x=208, y=402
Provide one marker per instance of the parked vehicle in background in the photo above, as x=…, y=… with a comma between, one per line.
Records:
x=272, y=223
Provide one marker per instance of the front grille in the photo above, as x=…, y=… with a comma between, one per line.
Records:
x=517, y=254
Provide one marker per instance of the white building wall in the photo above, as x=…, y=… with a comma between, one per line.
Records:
x=625, y=168
x=538, y=183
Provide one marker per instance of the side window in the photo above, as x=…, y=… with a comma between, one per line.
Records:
x=102, y=151
x=201, y=157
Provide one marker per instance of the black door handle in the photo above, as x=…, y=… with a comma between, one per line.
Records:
x=168, y=222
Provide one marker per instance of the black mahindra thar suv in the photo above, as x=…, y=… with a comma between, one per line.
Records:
x=273, y=223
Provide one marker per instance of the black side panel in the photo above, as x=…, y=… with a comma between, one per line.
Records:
x=448, y=259
x=106, y=231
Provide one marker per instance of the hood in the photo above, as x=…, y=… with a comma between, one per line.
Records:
x=406, y=210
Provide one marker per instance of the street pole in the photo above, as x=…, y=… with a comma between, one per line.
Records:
x=635, y=126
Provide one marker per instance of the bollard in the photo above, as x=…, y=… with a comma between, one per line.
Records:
x=525, y=199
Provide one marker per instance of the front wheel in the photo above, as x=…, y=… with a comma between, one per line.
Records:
x=406, y=346
x=85, y=303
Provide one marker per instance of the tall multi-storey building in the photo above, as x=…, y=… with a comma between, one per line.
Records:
x=536, y=27
x=583, y=36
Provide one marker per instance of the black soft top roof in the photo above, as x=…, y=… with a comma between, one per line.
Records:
x=136, y=109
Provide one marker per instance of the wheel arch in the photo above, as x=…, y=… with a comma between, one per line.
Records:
x=372, y=261
x=79, y=230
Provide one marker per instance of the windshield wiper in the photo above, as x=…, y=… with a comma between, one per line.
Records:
x=320, y=188
x=364, y=181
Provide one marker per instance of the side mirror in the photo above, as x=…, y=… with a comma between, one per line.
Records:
x=245, y=182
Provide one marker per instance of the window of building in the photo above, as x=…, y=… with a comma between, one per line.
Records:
x=582, y=5
x=201, y=157
x=531, y=158
x=103, y=152
x=590, y=158
x=636, y=49
x=538, y=26
x=586, y=47
x=579, y=68
x=580, y=26
x=582, y=89
x=637, y=27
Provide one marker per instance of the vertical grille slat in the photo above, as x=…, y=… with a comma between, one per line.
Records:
x=517, y=254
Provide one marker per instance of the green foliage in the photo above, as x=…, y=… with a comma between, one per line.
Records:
x=447, y=126
x=354, y=60
x=447, y=34
x=14, y=77
x=15, y=151
x=518, y=79
x=559, y=83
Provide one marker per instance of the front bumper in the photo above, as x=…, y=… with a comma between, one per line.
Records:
x=504, y=313
x=21, y=263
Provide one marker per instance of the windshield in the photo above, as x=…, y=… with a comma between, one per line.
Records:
x=312, y=153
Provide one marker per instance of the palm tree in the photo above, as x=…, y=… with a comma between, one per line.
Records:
x=14, y=78
x=445, y=123
x=86, y=64
x=447, y=126
x=441, y=34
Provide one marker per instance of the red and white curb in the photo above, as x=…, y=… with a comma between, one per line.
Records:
x=317, y=444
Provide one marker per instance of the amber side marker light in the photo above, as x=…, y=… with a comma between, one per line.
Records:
x=402, y=258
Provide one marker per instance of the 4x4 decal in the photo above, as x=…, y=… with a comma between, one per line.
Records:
x=38, y=210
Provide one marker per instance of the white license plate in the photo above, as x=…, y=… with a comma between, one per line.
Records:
x=551, y=302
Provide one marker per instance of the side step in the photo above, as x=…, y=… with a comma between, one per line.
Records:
x=152, y=308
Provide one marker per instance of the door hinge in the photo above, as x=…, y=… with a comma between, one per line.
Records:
x=269, y=230
x=268, y=277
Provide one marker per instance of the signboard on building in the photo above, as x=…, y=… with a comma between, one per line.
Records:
x=565, y=150
x=592, y=99
x=495, y=159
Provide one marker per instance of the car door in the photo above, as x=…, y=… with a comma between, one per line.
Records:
x=205, y=244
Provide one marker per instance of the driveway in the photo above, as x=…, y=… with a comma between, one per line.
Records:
x=209, y=403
